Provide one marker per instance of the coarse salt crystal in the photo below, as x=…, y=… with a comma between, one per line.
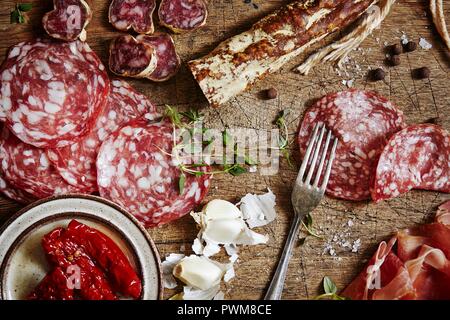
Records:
x=424, y=44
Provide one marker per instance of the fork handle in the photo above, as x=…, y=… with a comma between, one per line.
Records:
x=276, y=285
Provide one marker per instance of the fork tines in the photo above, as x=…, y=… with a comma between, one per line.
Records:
x=320, y=151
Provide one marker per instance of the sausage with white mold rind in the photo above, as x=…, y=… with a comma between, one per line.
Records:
x=240, y=61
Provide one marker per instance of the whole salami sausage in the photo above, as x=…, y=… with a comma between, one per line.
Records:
x=168, y=61
x=68, y=20
x=28, y=169
x=362, y=121
x=76, y=163
x=418, y=157
x=243, y=59
x=131, y=58
x=51, y=91
x=182, y=15
x=135, y=14
x=136, y=169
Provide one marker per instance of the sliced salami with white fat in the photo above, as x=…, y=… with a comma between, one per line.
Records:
x=131, y=58
x=51, y=91
x=135, y=14
x=76, y=163
x=363, y=121
x=182, y=15
x=27, y=168
x=168, y=61
x=14, y=193
x=418, y=157
x=135, y=169
x=68, y=20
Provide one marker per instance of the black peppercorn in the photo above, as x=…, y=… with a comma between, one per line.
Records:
x=421, y=73
x=396, y=49
x=377, y=74
x=271, y=93
x=410, y=46
x=395, y=60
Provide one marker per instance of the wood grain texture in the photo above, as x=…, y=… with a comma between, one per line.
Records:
x=419, y=99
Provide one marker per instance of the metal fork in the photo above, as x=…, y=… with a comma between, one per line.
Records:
x=305, y=197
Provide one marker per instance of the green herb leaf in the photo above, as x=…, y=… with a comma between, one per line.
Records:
x=181, y=182
x=25, y=7
x=21, y=19
x=249, y=161
x=236, y=170
x=15, y=16
x=226, y=138
x=281, y=118
x=192, y=115
x=309, y=220
x=329, y=286
x=173, y=115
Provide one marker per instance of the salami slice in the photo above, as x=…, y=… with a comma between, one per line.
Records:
x=135, y=14
x=136, y=170
x=27, y=168
x=76, y=163
x=362, y=121
x=182, y=15
x=418, y=157
x=130, y=58
x=14, y=193
x=168, y=61
x=51, y=91
x=68, y=20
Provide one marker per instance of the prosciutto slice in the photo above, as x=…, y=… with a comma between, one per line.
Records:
x=417, y=268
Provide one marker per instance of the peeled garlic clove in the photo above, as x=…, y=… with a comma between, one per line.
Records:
x=221, y=209
x=199, y=272
x=224, y=231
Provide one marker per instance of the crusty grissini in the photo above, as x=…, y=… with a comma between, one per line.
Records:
x=240, y=61
x=437, y=11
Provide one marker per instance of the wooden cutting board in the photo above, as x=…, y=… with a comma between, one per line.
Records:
x=419, y=99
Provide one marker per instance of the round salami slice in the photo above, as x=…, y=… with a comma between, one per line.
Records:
x=136, y=14
x=418, y=157
x=68, y=20
x=14, y=193
x=135, y=168
x=182, y=15
x=130, y=58
x=51, y=92
x=76, y=163
x=27, y=168
x=362, y=121
x=168, y=61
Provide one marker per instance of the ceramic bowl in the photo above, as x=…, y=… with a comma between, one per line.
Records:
x=22, y=260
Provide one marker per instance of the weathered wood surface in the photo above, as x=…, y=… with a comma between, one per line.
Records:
x=419, y=99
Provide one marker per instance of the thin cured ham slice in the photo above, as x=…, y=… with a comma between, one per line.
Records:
x=51, y=91
x=28, y=169
x=363, y=121
x=76, y=163
x=182, y=15
x=68, y=20
x=418, y=157
x=422, y=267
x=136, y=168
x=132, y=14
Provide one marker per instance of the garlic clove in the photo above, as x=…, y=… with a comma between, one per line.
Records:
x=221, y=209
x=224, y=231
x=199, y=272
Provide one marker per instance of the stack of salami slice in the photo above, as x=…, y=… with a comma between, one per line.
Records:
x=378, y=156
x=58, y=107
